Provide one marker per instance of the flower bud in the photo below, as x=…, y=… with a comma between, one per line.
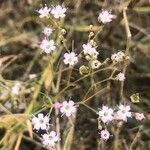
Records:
x=91, y=35
x=93, y=43
x=90, y=26
x=63, y=31
x=84, y=70
x=87, y=57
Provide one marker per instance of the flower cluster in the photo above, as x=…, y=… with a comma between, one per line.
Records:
x=41, y=122
x=57, y=12
x=49, y=139
x=48, y=45
x=122, y=113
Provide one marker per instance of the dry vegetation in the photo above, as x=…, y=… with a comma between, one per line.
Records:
x=20, y=56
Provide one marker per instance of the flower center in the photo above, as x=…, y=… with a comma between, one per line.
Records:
x=41, y=121
x=66, y=107
x=106, y=113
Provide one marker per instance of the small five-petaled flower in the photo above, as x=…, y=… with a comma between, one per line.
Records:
x=40, y=122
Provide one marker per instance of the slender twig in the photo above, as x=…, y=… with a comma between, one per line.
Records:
x=58, y=79
x=117, y=132
x=128, y=43
x=73, y=83
x=135, y=140
x=98, y=92
x=58, y=129
x=89, y=107
x=33, y=141
x=17, y=146
x=69, y=76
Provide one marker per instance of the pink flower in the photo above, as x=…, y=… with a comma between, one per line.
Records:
x=47, y=31
x=120, y=77
x=57, y=106
x=139, y=116
x=105, y=135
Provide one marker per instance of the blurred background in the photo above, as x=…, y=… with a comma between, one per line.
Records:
x=20, y=56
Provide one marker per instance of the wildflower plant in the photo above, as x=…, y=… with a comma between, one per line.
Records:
x=59, y=94
x=88, y=52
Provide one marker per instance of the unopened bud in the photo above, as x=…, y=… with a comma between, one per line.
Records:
x=91, y=35
x=87, y=57
x=91, y=26
x=63, y=31
x=93, y=43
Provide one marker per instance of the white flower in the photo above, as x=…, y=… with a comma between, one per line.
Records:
x=58, y=11
x=118, y=57
x=47, y=31
x=95, y=64
x=47, y=46
x=105, y=16
x=120, y=77
x=44, y=12
x=68, y=108
x=106, y=114
x=50, y=139
x=123, y=113
x=88, y=49
x=32, y=76
x=70, y=58
x=40, y=122
x=16, y=88
x=105, y=134
x=139, y=116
